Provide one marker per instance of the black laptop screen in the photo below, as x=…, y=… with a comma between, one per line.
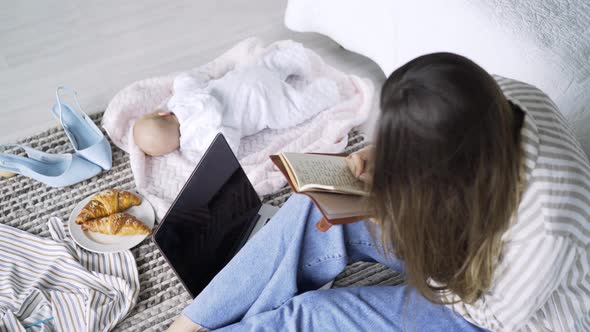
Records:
x=209, y=219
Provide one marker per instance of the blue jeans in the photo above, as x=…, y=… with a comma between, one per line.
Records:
x=271, y=284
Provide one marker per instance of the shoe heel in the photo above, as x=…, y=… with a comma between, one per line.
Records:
x=86, y=138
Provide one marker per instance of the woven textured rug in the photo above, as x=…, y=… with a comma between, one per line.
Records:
x=27, y=204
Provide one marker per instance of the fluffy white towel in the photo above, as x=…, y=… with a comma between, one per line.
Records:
x=160, y=179
x=53, y=285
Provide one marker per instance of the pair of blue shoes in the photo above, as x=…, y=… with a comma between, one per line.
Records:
x=92, y=151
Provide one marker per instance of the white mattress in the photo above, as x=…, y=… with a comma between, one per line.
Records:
x=544, y=42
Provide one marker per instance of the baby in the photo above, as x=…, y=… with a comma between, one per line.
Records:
x=276, y=91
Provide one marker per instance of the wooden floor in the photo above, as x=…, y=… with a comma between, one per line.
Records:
x=98, y=47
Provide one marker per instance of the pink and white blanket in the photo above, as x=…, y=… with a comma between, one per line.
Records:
x=159, y=179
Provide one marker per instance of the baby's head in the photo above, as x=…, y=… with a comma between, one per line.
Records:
x=157, y=133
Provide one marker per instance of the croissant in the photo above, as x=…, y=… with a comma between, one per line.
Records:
x=106, y=203
x=117, y=224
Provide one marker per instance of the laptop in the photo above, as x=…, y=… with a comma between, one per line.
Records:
x=215, y=214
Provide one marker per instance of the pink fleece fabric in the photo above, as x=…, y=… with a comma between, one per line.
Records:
x=159, y=179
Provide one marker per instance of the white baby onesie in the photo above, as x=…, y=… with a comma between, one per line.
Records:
x=275, y=91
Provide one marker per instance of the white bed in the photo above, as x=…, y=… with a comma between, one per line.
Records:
x=542, y=42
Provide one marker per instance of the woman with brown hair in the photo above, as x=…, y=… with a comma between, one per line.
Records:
x=480, y=197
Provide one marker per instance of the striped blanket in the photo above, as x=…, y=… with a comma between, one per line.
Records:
x=51, y=284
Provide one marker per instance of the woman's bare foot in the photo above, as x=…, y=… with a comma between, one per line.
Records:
x=183, y=324
x=4, y=174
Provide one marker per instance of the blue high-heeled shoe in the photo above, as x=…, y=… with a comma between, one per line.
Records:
x=54, y=170
x=88, y=141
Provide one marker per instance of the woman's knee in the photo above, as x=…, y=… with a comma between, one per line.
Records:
x=298, y=207
x=297, y=199
x=292, y=215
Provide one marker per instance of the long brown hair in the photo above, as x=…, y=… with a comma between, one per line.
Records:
x=447, y=173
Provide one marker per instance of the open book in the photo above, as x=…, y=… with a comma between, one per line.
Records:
x=327, y=180
x=316, y=172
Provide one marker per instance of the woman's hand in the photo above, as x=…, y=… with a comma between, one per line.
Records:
x=361, y=163
x=183, y=324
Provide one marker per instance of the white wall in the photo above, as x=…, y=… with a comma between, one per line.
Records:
x=98, y=47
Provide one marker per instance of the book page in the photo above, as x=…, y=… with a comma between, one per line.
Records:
x=323, y=172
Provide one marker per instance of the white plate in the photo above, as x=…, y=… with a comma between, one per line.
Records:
x=98, y=242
